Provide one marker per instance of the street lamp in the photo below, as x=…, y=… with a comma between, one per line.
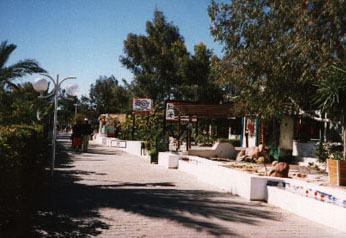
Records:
x=41, y=85
x=76, y=105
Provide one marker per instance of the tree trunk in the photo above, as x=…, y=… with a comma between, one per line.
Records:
x=344, y=138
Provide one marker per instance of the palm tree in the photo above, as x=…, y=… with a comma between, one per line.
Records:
x=17, y=70
x=331, y=95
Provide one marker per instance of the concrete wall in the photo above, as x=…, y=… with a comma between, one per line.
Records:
x=314, y=210
x=132, y=147
x=168, y=160
x=231, y=180
x=286, y=133
x=304, y=149
x=321, y=204
x=219, y=150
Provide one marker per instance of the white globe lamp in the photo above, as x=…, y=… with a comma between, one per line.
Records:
x=40, y=85
x=72, y=89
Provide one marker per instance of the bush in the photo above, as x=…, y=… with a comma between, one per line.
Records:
x=234, y=142
x=154, y=155
x=202, y=139
x=23, y=150
x=328, y=150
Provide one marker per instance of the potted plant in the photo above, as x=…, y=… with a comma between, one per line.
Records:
x=332, y=154
x=153, y=156
x=331, y=98
x=337, y=168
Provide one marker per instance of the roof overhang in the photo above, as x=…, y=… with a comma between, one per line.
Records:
x=205, y=110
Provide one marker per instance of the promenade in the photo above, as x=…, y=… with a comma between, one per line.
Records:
x=109, y=193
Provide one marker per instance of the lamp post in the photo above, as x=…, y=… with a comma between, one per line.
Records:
x=41, y=85
x=76, y=105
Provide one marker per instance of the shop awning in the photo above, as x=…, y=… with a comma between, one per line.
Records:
x=113, y=117
x=205, y=110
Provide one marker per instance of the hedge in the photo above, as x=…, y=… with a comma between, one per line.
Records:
x=23, y=152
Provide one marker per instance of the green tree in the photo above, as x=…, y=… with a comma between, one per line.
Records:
x=276, y=50
x=107, y=96
x=156, y=59
x=23, y=106
x=331, y=95
x=17, y=70
x=201, y=79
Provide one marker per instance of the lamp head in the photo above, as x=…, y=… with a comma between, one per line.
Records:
x=40, y=85
x=72, y=89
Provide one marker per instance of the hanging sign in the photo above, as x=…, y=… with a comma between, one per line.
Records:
x=142, y=105
x=172, y=115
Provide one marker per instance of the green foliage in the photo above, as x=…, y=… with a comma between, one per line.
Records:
x=107, y=96
x=148, y=128
x=164, y=69
x=321, y=153
x=156, y=59
x=17, y=70
x=234, y=142
x=328, y=150
x=275, y=50
x=23, y=151
x=202, y=139
x=200, y=84
x=331, y=91
x=22, y=106
x=331, y=94
x=154, y=155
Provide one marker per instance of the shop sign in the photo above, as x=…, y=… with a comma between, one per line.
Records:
x=172, y=113
x=142, y=105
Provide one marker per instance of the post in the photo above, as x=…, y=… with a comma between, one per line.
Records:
x=179, y=129
x=56, y=88
x=56, y=93
x=187, y=138
x=54, y=133
x=133, y=125
x=164, y=126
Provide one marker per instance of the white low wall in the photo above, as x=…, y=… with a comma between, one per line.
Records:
x=304, y=149
x=168, y=160
x=231, y=180
x=314, y=210
x=321, y=204
x=132, y=147
x=221, y=150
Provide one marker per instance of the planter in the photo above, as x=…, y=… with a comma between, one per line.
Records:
x=169, y=160
x=337, y=171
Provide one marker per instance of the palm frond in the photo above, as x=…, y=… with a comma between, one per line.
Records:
x=5, y=51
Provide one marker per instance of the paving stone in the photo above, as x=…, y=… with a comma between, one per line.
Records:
x=109, y=193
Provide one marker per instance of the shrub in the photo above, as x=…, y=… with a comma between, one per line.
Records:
x=328, y=150
x=153, y=155
x=234, y=142
x=22, y=153
x=202, y=139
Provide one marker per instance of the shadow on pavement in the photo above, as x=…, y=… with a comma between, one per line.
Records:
x=66, y=208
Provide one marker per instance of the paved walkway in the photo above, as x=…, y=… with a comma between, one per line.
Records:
x=108, y=193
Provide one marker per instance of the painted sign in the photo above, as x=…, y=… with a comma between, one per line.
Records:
x=118, y=143
x=172, y=113
x=142, y=105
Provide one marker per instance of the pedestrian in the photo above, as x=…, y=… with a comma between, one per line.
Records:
x=77, y=136
x=86, y=132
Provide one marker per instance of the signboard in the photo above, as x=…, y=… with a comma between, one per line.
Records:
x=118, y=143
x=142, y=105
x=172, y=113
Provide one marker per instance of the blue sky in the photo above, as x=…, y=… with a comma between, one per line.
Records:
x=84, y=38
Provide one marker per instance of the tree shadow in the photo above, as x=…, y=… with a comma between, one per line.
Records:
x=66, y=208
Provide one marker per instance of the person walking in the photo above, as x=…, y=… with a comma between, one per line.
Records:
x=77, y=136
x=86, y=132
